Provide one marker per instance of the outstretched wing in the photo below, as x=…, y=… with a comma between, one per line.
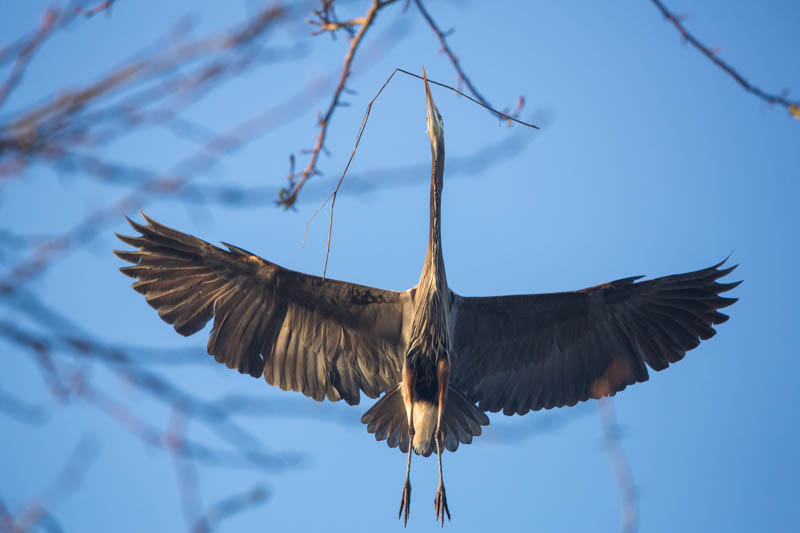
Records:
x=318, y=336
x=526, y=352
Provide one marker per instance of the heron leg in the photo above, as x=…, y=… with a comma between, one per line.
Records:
x=405, y=500
x=440, y=502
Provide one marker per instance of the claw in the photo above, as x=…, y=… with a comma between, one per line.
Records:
x=440, y=504
x=405, y=503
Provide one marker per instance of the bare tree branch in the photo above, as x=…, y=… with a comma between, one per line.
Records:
x=462, y=76
x=328, y=21
x=288, y=196
x=446, y=49
x=792, y=105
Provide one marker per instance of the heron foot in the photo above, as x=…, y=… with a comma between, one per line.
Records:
x=405, y=503
x=440, y=504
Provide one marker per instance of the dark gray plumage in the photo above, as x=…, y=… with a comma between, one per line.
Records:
x=434, y=353
x=324, y=338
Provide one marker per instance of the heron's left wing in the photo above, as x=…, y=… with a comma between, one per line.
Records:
x=527, y=352
x=322, y=337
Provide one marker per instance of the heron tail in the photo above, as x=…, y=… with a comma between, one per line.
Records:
x=387, y=420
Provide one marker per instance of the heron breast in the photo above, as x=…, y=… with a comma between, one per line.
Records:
x=424, y=427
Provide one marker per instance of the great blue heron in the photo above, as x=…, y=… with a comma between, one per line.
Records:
x=434, y=353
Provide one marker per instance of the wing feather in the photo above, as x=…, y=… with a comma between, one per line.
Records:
x=324, y=338
x=528, y=352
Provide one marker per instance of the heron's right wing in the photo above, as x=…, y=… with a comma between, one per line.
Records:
x=527, y=352
x=322, y=337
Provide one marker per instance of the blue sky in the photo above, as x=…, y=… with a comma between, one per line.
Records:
x=650, y=161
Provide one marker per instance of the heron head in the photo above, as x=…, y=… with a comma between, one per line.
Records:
x=434, y=119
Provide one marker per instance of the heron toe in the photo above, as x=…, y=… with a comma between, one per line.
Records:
x=440, y=504
x=405, y=503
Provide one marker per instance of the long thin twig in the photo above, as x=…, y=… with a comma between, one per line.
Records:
x=288, y=197
x=332, y=196
x=483, y=104
x=792, y=105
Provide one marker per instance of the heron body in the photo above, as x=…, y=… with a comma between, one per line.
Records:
x=427, y=360
x=439, y=360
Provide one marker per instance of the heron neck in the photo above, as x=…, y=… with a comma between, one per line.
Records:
x=430, y=326
x=434, y=261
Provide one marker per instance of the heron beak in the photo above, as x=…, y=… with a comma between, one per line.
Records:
x=434, y=120
x=428, y=96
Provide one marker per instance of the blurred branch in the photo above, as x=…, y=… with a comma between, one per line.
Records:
x=46, y=27
x=187, y=481
x=72, y=341
x=185, y=471
x=792, y=105
x=237, y=457
x=11, y=242
x=159, y=184
x=163, y=183
x=58, y=122
x=23, y=50
x=6, y=520
x=232, y=506
x=620, y=465
x=99, y=7
x=21, y=411
x=66, y=483
x=478, y=161
x=288, y=196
